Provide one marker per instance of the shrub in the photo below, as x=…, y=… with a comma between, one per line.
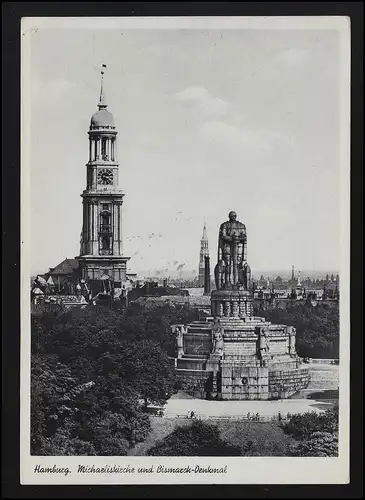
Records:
x=319, y=444
x=302, y=426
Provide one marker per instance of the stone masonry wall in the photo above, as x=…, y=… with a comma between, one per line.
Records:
x=284, y=383
x=241, y=383
x=196, y=383
x=198, y=343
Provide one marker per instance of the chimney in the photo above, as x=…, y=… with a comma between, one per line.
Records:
x=206, y=275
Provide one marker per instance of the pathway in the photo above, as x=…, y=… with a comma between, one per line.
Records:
x=323, y=377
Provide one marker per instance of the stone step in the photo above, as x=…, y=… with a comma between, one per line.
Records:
x=194, y=356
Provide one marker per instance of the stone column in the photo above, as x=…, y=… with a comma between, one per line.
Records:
x=86, y=228
x=94, y=178
x=95, y=228
x=90, y=149
x=235, y=308
x=91, y=227
x=241, y=308
x=206, y=275
x=120, y=228
x=115, y=228
x=226, y=308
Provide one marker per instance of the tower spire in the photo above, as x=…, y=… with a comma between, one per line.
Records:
x=204, y=252
x=102, y=101
x=204, y=237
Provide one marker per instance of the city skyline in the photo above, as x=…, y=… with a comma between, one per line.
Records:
x=266, y=126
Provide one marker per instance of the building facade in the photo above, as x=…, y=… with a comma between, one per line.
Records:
x=204, y=252
x=101, y=246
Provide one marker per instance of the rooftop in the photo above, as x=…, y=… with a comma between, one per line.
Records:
x=68, y=266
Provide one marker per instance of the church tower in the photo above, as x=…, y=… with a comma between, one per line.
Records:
x=101, y=253
x=204, y=251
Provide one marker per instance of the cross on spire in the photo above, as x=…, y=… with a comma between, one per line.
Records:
x=102, y=101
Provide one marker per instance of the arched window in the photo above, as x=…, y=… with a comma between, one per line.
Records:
x=105, y=218
x=104, y=153
x=105, y=221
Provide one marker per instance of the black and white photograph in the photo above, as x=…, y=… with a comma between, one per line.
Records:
x=185, y=250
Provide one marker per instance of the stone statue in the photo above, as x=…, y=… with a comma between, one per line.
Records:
x=179, y=331
x=232, y=271
x=219, y=274
x=264, y=346
x=245, y=276
x=217, y=334
x=292, y=337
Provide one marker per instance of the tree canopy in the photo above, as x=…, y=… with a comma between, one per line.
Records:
x=93, y=373
x=317, y=434
x=200, y=439
x=317, y=327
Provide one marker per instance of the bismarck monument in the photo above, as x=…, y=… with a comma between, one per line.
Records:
x=232, y=354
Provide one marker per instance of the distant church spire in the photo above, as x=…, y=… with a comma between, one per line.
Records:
x=204, y=252
x=205, y=237
x=102, y=100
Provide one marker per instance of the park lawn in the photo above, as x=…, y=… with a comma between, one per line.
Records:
x=254, y=438
x=160, y=428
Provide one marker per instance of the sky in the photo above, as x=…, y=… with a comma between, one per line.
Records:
x=208, y=121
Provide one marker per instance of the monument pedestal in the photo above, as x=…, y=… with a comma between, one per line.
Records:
x=232, y=303
x=234, y=355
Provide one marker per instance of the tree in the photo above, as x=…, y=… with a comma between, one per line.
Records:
x=302, y=426
x=317, y=327
x=200, y=439
x=319, y=444
x=317, y=433
x=90, y=371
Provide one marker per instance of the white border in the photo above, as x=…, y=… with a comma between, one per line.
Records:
x=243, y=470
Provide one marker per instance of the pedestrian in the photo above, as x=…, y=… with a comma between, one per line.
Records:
x=192, y=414
x=248, y=415
x=279, y=416
x=257, y=417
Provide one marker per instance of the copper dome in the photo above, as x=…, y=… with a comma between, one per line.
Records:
x=102, y=118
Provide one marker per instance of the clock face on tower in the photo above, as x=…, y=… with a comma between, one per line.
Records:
x=105, y=176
